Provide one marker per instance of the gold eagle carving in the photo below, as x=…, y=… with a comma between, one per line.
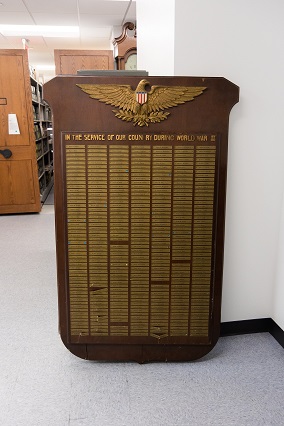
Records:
x=144, y=105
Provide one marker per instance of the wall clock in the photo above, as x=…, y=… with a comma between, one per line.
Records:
x=131, y=62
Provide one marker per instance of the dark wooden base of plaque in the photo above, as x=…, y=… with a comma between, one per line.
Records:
x=140, y=353
x=174, y=353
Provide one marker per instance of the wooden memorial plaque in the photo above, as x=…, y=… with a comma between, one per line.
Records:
x=140, y=183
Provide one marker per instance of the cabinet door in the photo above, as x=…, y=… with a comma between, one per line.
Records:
x=70, y=61
x=19, y=187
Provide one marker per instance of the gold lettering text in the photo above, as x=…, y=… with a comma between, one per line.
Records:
x=202, y=138
x=164, y=137
x=135, y=137
x=77, y=137
x=186, y=138
x=94, y=137
x=120, y=137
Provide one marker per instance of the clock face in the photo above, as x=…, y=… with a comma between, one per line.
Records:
x=131, y=63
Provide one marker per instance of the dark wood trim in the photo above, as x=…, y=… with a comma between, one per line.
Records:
x=277, y=333
x=260, y=325
x=231, y=328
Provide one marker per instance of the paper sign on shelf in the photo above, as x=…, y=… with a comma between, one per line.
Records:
x=13, y=125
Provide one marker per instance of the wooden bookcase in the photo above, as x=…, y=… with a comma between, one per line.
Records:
x=26, y=161
x=43, y=139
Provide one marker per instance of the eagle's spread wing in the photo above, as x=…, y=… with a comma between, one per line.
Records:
x=161, y=97
x=118, y=95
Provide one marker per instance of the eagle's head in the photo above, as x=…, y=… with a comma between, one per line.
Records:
x=142, y=85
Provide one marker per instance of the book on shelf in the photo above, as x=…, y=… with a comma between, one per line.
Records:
x=37, y=130
x=34, y=93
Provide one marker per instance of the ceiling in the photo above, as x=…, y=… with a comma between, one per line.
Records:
x=99, y=22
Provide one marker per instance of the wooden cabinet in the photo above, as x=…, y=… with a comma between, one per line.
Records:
x=70, y=61
x=19, y=186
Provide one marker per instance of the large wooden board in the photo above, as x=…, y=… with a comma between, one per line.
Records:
x=140, y=214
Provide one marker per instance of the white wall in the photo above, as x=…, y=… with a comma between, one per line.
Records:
x=155, y=36
x=243, y=41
